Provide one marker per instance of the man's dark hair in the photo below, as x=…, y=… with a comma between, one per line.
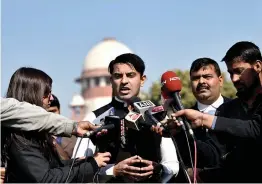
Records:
x=202, y=62
x=245, y=51
x=128, y=58
x=55, y=102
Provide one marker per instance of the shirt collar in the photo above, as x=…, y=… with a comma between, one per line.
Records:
x=120, y=101
x=215, y=105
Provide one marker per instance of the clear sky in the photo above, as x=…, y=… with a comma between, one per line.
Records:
x=55, y=35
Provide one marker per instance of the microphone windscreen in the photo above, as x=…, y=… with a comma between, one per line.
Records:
x=134, y=99
x=170, y=82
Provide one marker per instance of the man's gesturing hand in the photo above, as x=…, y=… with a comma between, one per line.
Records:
x=150, y=168
x=125, y=168
x=102, y=159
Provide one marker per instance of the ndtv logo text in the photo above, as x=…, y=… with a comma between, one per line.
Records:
x=170, y=79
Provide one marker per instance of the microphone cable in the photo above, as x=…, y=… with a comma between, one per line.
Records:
x=193, y=165
x=96, y=177
x=74, y=158
x=187, y=140
x=85, y=156
x=189, y=149
x=190, y=155
x=180, y=157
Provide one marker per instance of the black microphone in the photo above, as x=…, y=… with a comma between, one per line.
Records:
x=171, y=86
x=151, y=118
x=106, y=127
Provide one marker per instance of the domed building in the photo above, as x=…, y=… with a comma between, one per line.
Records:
x=95, y=79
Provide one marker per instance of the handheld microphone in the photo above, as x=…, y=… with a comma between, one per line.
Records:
x=135, y=121
x=159, y=113
x=157, y=109
x=170, y=87
x=91, y=133
x=169, y=106
x=112, y=124
x=144, y=117
x=143, y=106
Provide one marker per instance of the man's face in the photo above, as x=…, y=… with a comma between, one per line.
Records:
x=244, y=77
x=126, y=81
x=54, y=110
x=206, y=84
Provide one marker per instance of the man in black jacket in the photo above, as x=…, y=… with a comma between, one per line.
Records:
x=237, y=123
x=158, y=154
x=206, y=83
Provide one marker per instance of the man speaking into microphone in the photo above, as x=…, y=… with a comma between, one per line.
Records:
x=138, y=156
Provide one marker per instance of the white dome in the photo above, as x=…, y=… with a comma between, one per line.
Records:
x=104, y=52
x=77, y=100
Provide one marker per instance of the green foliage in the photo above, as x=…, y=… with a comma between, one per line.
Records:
x=228, y=89
x=187, y=96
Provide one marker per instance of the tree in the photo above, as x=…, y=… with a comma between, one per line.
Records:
x=228, y=89
x=187, y=96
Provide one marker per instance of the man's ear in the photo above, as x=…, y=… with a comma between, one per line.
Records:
x=258, y=66
x=143, y=80
x=221, y=80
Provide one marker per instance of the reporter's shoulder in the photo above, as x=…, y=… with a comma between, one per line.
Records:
x=8, y=101
x=230, y=103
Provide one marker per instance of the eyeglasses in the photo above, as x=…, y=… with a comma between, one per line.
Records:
x=49, y=96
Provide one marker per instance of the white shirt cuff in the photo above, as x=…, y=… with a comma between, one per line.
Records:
x=107, y=170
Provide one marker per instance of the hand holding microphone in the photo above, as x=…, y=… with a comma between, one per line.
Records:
x=170, y=126
x=87, y=129
x=197, y=118
x=171, y=86
x=99, y=130
x=82, y=128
